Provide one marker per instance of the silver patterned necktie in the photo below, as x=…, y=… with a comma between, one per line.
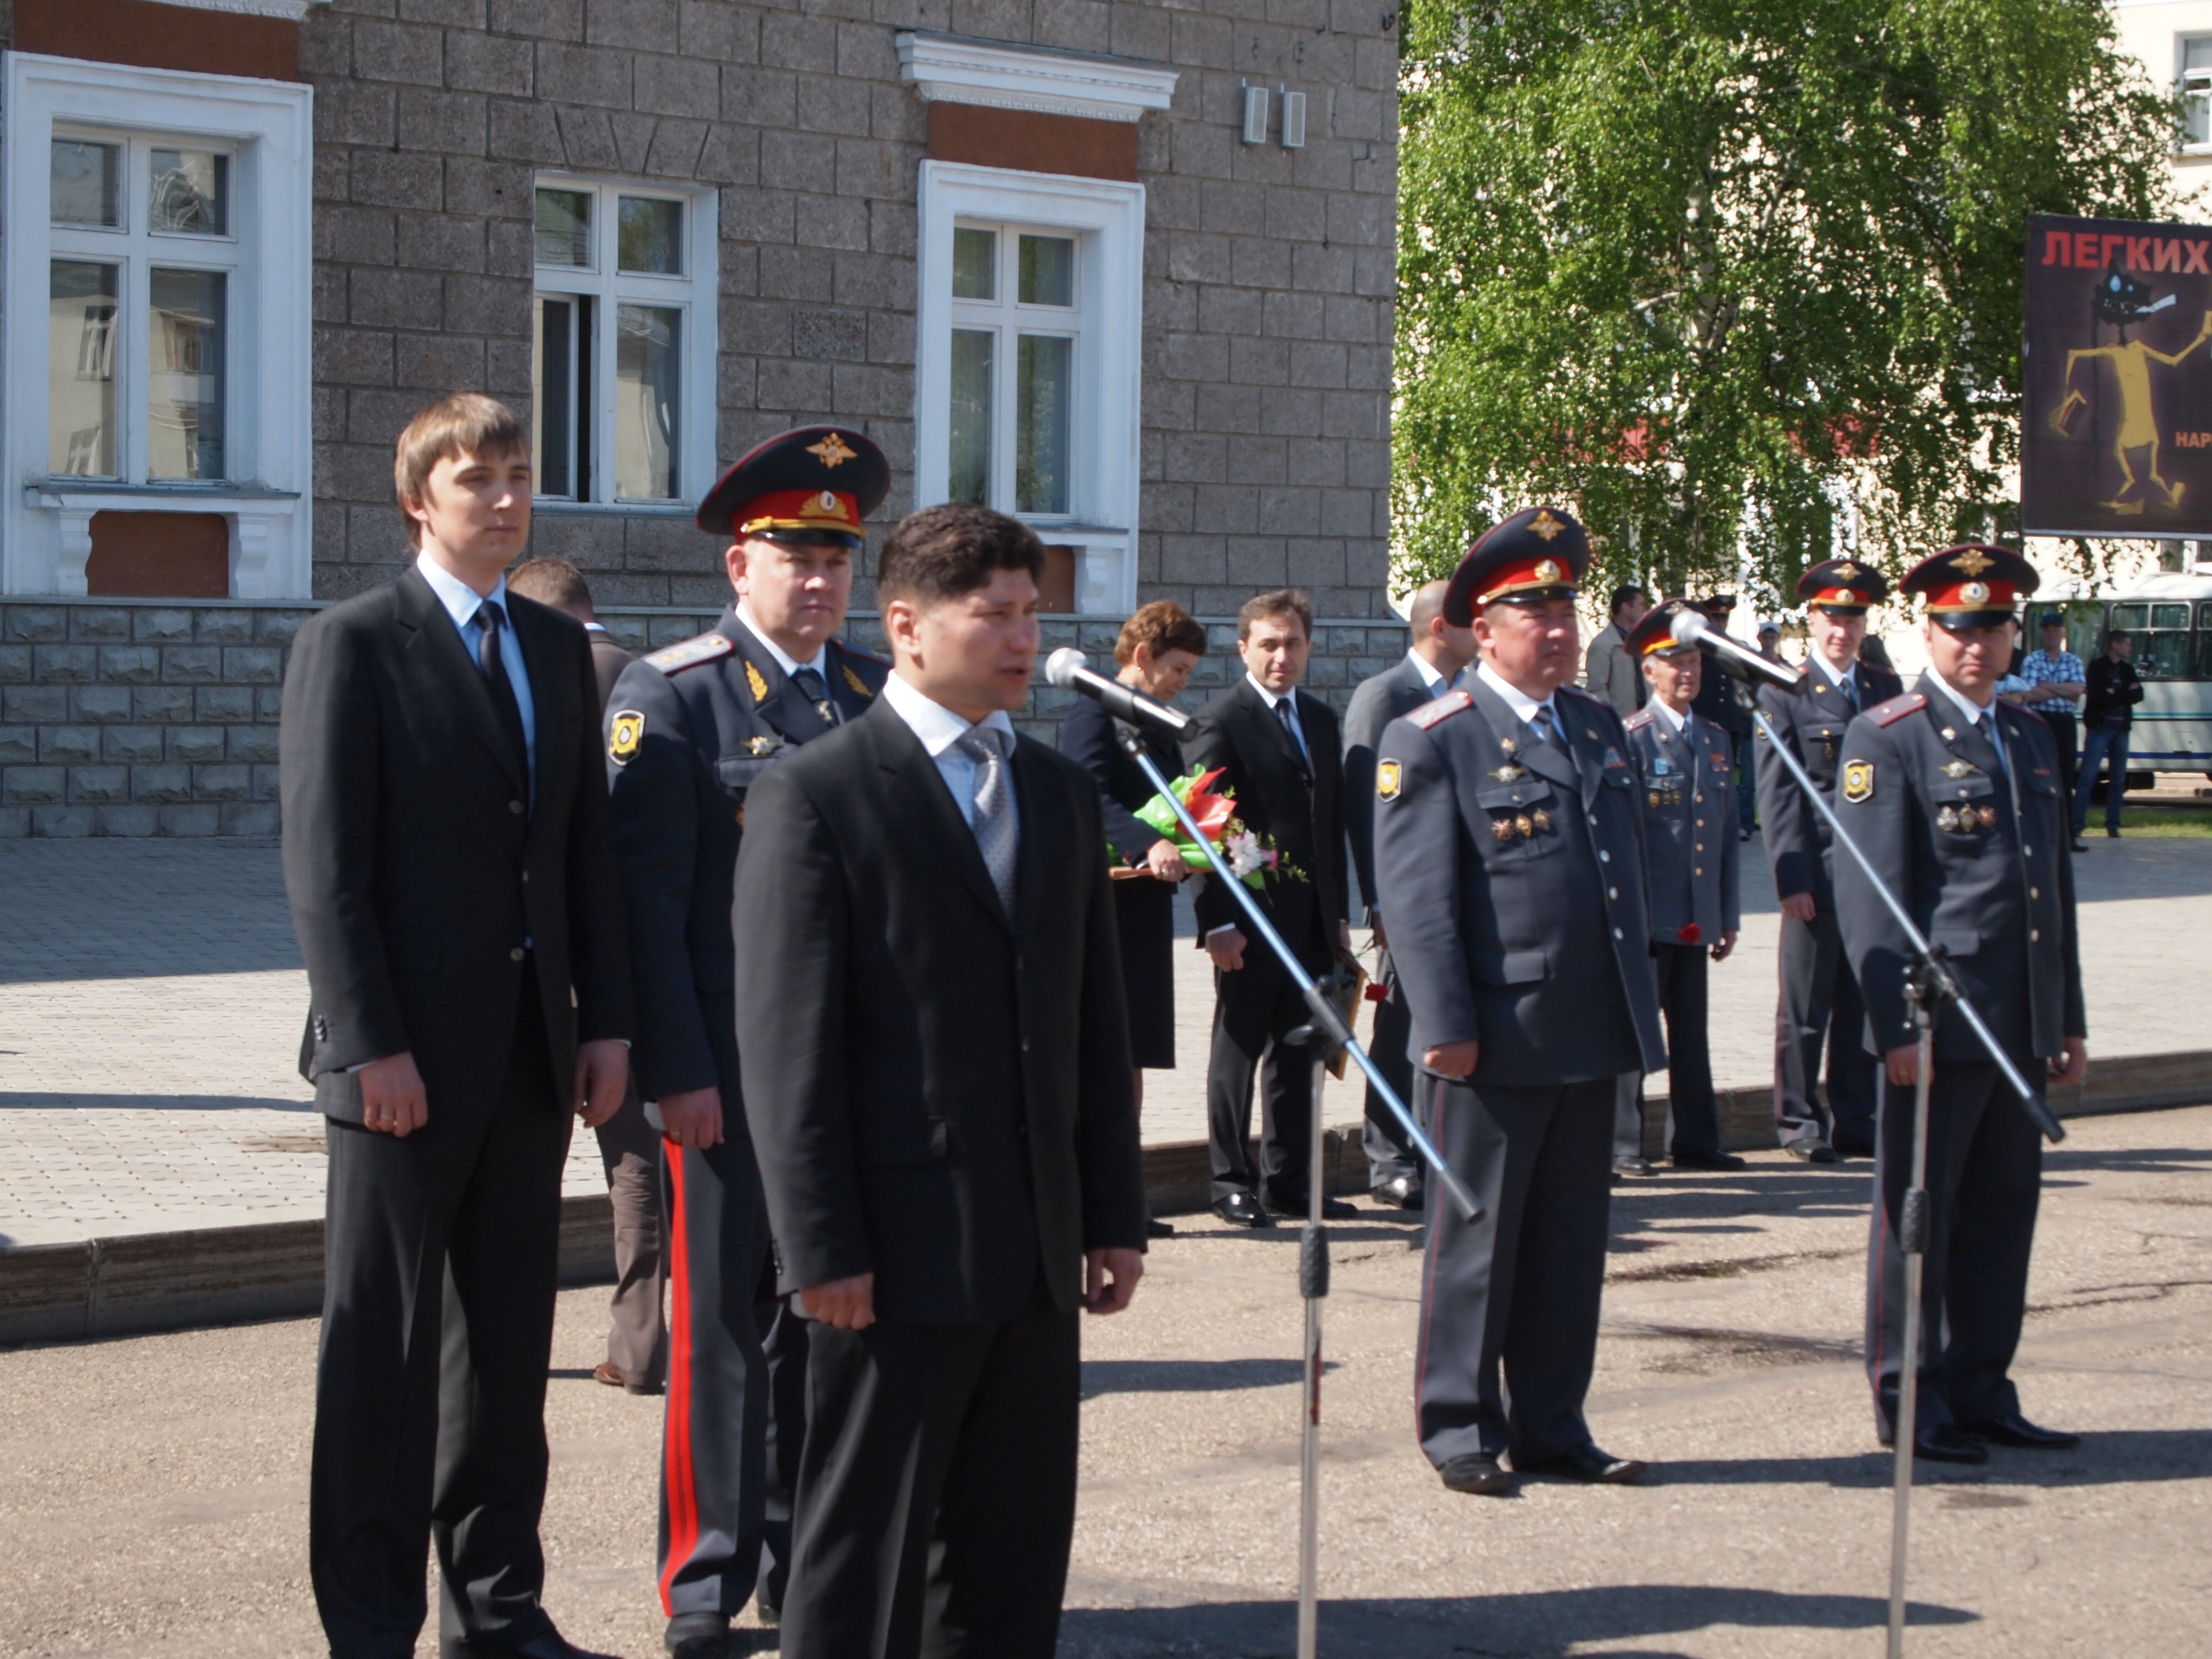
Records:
x=994, y=808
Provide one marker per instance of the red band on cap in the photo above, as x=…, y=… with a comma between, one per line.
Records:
x=1528, y=576
x=1973, y=596
x=799, y=509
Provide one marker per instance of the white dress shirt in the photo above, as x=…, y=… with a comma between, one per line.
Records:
x=1431, y=676
x=1675, y=722
x=1271, y=698
x=820, y=663
x=1523, y=706
x=1841, y=678
x=1973, y=713
x=940, y=731
x=462, y=603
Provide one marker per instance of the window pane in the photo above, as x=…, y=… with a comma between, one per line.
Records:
x=564, y=227
x=2162, y=656
x=184, y=378
x=1043, y=395
x=553, y=390
x=1047, y=271
x=81, y=370
x=2129, y=618
x=2196, y=116
x=86, y=178
x=2197, y=53
x=651, y=236
x=646, y=341
x=967, y=477
x=975, y=265
x=191, y=192
x=2169, y=616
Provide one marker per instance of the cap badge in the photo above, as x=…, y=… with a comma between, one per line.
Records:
x=1973, y=592
x=1545, y=525
x=1973, y=562
x=833, y=451
x=1547, y=570
x=1848, y=571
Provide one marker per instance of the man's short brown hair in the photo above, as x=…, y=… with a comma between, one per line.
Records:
x=459, y=424
x=942, y=552
x=1160, y=627
x=1291, y=601
x=554, y=582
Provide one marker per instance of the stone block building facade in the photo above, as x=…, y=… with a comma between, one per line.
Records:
x=1121, y=266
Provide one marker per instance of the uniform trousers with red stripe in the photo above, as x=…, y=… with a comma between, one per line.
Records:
x=736, y=1414
x=1510, y=1301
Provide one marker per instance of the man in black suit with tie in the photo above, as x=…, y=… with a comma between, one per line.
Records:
x=1280, y=756
x=450, y=864
x=1439, y=652
x=936, y=1069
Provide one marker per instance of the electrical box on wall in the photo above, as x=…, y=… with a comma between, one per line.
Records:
x=1256, y=115
x=1294, y=120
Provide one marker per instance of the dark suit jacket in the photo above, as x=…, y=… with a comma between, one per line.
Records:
x=938, y=1095
x=416, y=865
x=1812, y=723
x=1375, y=704
x=608, y=661
x=1238, y=732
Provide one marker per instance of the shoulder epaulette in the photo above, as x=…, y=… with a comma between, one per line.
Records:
x=1888, y=714
x=1442, y=710
x=1587, y=696
x=689, y=653
x=2027, y=713
x=1637, y=722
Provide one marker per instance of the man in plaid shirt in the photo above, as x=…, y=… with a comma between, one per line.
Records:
x=2059, y=681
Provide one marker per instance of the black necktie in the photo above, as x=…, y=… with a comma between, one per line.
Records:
x=1282, y=713
x=493, y=662
x=810, y=688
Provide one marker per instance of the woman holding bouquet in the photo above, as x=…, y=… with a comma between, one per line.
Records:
x=1157, y=648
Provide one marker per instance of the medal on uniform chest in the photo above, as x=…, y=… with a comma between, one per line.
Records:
x=1509, y=773
x=1502, y=828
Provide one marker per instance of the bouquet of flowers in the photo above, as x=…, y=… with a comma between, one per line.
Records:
x=1215, y=814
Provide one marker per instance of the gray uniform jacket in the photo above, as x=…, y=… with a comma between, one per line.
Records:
x=1375, y=704
x=1813, y=724
x=1610, y=672
x=1980, y=857
x=1513, y=878
x=1690, y=847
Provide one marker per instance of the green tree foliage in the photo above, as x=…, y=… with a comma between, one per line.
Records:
x=1705, y=270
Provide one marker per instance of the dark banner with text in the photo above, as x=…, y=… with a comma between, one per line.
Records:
x=2116, y=435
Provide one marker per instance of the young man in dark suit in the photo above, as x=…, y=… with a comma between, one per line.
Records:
x=1438, y=653
x=935, y=1068
x=450, y=864
x=1280, y=756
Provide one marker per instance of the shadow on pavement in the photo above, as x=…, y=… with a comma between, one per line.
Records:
x=44, y=1101
x=2122, y=1456
x=2130, y=1160
x=1539, y=1625
x=1187, y=1376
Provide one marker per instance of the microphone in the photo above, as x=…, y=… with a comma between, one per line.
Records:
x=1069, y=669
x=1740, y=660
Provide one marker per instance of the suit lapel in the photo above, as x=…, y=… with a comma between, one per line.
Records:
x=1528, y=750
x=919, y=798
x=438, y=645
x=1041, y=830
x=552, y=685
x=1257, y=711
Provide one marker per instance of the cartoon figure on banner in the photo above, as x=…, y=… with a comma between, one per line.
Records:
x=2120, y=300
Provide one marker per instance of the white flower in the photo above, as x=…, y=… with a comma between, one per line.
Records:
x=1244, y=854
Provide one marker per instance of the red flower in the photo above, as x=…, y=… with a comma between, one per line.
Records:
x=1211, y=812
x=1691, y=934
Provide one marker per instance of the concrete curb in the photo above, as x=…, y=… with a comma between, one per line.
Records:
x=137, y=1283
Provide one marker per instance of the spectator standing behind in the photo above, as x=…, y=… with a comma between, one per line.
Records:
x=1875, y=654
x=1608, y=670
x=2114, y=690
x=1432, y=667
x=1508, y=846
x=1682, y=761
x=690, y=731
x=1716, y=703
x=1769, y=642
x=1954, y=798
x=1282, y=759
x=450, y=869
x=937, y=1075
x=630, y=1147
x=1819, y=1004
x=2059, y=682
x=1157, y=648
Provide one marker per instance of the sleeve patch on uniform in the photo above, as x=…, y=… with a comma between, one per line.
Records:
x=626, y=732
x=855, y=681
x=1390, y=778
x=1442, y=710
x=1859, y=781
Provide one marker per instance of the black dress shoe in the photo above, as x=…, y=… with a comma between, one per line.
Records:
x=2081, y=846
x=548, y=1644
x=1154, y=1228
x=1630, y=1166
x=697, y=1636
x=2017, y=1431
x=1479, y=1474
x=1811, y=1152
x=1853, y=1145
x=1947, y=1444
x=1241, y=1210
x=1588, y=1463
x=1700, y=1160
x=2112, y=830
x=1399, y=1192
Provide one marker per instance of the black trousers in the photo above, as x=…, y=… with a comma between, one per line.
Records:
x=937, y=1492
x=2063, y=733
x=1510, y=1302
x=1389, y=1151
x=1684, y=998
x=440, y=1254
x=637, y=1335
x=1984, y=1180
x=1821, y=1005
x=1254, y=1009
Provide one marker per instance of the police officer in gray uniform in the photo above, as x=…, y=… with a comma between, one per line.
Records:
x=1819, y=997
x=1954, y=797
x=689, y=728
x=1510, y=856
x=1682, y=767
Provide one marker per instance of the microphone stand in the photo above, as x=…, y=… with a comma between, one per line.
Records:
x=1929, y=987
x=1326, y=1033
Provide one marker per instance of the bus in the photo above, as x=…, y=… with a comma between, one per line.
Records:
x=2170, y=615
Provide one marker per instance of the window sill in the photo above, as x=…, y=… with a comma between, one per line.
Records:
x=58, y=491
x=561, y=508
x=263, y=524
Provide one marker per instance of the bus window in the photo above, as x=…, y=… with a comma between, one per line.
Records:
x=2162, y=638
x=2204, y=640
x=2085, y=631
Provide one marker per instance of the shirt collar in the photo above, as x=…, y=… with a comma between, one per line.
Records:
x=790, y=665
x=1658, y=706
x=1431, y=677
x=461, y=601
x=593, y=628
x=1827, y=670
x=1972, y=710
x=1271, y=698
x=938, y=726
x=1523, y=706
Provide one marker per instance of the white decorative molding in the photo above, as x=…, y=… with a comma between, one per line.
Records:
x=290, y=11
x=953, y=69
x=263, y=530
x=75, y=525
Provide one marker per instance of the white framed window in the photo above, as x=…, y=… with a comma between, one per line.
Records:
x=2195, y=56
x=162, y=221
x=625, y=333
x=1029, y=360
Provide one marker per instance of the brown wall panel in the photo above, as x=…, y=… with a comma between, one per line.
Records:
x=155, y=36
x=1033, y=142
x=159, y=555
